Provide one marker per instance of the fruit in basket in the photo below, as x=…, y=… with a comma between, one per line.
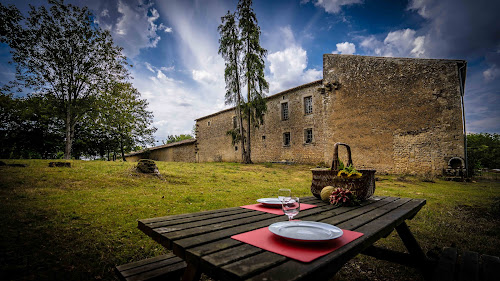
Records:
x=348, y=172
x=326, y=192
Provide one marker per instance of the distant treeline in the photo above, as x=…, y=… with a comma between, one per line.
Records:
x=483, y=151
x=30, y=127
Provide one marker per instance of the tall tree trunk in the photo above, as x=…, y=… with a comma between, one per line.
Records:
x=248, y=159
x=69, y=140
x=242, y=136
x=121, y=145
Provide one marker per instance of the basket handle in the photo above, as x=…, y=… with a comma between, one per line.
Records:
x=335, y=162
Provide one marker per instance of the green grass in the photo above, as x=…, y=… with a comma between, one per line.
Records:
x=78, y=222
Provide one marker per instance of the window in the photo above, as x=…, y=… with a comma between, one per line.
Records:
x=236, y=148
x=208, y=124
x=263, y=137
x=308, y=135
x=308, y=105
x=284, y=111
x=286, y=139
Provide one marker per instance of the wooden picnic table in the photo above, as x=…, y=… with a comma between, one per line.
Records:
x=204, y=240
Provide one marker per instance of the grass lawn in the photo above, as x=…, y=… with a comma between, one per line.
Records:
x=78, y=222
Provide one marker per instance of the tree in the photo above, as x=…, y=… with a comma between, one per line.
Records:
x=118, y=123
x=483, y=151
x=27, y=128
x=231, y=49
x=63, y=54
x=177, y=138
x=253, y=65
x=131, y=120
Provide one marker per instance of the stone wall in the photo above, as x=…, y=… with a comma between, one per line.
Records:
x=399, y=115
x=267, y=140
x=213, y=143
x=183, y=151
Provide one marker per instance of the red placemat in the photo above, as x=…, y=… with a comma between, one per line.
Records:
x=272, y=210
x=301, y=251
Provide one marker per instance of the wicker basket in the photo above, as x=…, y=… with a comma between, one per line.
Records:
x=363, y=187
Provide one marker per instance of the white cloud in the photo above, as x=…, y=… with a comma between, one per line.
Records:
x=198, y=87
x=399, y=43
x=155, y=69
x=173, y=103
x=105, y=13
x=149, y=67
x=136, y=27
x=288, y=66
x=170, y=68
x=420, y=6
x=491, y=73
x=333, y=6
x=345, y=48
x=204, y=76
x=165, y=28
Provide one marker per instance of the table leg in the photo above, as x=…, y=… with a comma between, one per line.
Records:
x=423, y=262
x=192, y=272
x=410, y=242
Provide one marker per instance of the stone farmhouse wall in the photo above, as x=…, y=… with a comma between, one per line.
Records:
x=183, y=151
x=267, y=141
x=398, y=115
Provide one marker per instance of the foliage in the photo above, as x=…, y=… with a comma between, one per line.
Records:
x=62, y=54
x=231, y=50
x=235, y=135
x=253, y=67
x=244, y=60
x=348, y=171
x=117, y=124
x=27, y=129
x=176, y=138
x=483, y=151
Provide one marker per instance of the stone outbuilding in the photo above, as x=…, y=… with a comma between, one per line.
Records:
x=182, y=151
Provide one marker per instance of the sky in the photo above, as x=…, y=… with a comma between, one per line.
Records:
x=173, y=47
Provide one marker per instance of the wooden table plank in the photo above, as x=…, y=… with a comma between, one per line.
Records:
x=323, y=267
x=202, y=237
x=182, y=220
x=187, y=215
x=361, y=220
x=224, y=257
x=195, y=252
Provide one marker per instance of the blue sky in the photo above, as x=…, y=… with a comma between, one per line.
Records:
x=173, y=46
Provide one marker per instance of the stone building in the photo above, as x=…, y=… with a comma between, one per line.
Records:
x=399, y=115
x=182, y=151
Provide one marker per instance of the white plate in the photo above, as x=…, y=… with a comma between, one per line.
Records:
x=270, y=201
x=310, y=231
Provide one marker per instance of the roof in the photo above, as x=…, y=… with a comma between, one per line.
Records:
x=269, y=97
x=182, y=142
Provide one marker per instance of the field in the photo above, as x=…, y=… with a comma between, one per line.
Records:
x=78, y=222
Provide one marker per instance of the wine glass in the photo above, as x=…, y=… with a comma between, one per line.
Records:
x=284, y=193
x=291, y=207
